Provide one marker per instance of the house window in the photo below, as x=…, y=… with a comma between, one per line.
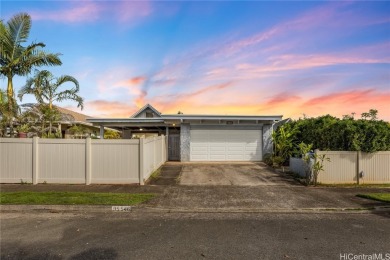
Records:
x=149, y=114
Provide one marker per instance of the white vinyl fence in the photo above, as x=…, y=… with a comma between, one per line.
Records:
x=80, y=161
x=350, y=167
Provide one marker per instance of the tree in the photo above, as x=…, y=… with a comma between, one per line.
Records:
x=110, y=134
x=6, y=115
x=372, y=114
x=3, y=103
x=328, y=133
x=79, y=131
x=46, y=89
x=16, y=59
x=283, y=140
x=3, y=112
x=39, y=115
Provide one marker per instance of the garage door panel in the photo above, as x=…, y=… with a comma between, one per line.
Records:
x=217, y=149
x=237, y=149
x=200, y=158
x=226, y=145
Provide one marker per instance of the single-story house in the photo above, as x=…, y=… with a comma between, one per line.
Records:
x=200, y=137
x=77, y=119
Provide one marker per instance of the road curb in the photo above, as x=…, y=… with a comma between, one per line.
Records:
x=270, y=210
x=49, y=208
x=108, y=208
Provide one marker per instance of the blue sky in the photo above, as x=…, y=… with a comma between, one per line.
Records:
x=222, y=57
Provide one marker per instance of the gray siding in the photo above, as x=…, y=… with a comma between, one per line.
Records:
x=267, y=139
x=185, y=139
x=143, y=113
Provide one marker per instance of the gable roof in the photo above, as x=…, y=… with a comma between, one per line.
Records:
x=78, y=117
x=144, y=108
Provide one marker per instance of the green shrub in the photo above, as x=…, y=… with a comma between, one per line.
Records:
x=329, y=133
x=267, y=159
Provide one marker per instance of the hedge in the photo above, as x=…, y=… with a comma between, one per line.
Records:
x=334, y=134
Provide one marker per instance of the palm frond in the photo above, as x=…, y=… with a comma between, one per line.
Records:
x=71, y=95
x=37, y=58
x=66, y=78
x=19, y=26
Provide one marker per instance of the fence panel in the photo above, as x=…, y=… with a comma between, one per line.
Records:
x=16, y=160
x=115, y=161
x=375, y=166
x=341, y=168
x=61, y=161
x=80, y=161
x=149, y=157
x=154, y=155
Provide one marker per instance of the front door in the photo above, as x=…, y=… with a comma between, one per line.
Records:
x=174, y=147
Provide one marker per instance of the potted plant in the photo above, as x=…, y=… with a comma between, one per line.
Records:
x=23, y=130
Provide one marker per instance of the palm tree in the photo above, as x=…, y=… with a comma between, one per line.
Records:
x=45, y=87
x=38, y=115
x=16, y=59
x=6, y=115
x=3, y=102
x=3, y=111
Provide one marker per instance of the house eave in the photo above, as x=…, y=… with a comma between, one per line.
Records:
x=179, y=118
x=222, y=117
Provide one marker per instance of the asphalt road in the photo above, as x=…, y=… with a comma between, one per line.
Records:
x=143, y=234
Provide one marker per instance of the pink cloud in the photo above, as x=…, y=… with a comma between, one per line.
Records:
x=88, y=11
x=107, y=109
x=358, y=101
x=282, y=98
x=288, y=104
x=311, y=19
x=299, y=62
x=140, y=100
x=77, y=12
x=129, y=10
x=136, y=80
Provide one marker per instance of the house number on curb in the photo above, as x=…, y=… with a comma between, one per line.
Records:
x=121, y=208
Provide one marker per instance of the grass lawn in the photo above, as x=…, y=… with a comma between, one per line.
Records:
x=72, y=198
x=385, y=197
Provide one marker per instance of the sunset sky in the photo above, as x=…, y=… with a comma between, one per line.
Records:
x=218, y=57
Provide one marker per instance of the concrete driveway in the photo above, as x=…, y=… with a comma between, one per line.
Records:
x=238, y=174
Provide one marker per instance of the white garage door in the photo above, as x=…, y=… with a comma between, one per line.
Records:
x=226, y=145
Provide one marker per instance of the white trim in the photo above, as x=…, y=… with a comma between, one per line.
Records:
x=145, y=107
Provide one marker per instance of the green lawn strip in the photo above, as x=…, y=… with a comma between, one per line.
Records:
x=73, y=198
x=385, y=197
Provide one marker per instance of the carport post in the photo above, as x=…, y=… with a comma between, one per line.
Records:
x=101, y=132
